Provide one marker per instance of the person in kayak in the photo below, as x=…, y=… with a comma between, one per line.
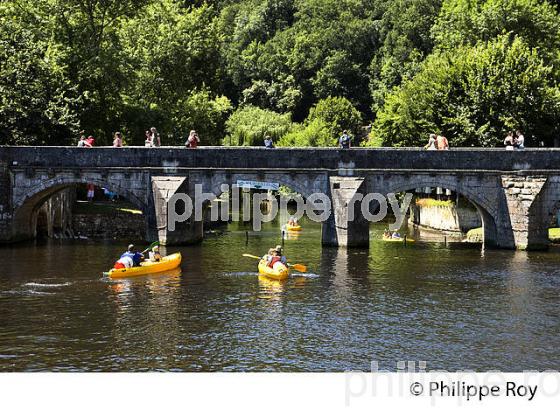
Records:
x=277, y=257
x=135, y=257
x=124, y=263
x=396, y=235
x=155, y=256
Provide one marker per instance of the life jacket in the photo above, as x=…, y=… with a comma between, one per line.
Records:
x=273, y=260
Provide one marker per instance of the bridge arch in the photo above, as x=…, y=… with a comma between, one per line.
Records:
x=484, y=204
x=27, y=200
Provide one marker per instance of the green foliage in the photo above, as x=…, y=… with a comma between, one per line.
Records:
x=325, y=124
x=174, y=50
x=338, y=113
x=405, y=41
x=127, y=65
x=249, y=125
x=431, y=202
x=298, y=51
x=38, y=105
x=474, y=95
x=201, y=112
x=315, y=134
x=469, y=21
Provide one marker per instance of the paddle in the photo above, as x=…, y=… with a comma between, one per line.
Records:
x=156, y=243
x=296, y=266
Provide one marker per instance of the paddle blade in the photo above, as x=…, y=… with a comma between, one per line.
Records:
x=156, y=243
x=251, y=256
x=299, y=268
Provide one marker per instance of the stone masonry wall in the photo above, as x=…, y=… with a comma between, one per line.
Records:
x=521, y=193
x=445, y=217
x=119, y=225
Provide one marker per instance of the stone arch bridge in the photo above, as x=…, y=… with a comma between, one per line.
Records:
x=516, y=192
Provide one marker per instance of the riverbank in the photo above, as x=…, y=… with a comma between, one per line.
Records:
x=477, y=235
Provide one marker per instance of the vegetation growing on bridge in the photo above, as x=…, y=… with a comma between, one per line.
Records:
x=468, y=69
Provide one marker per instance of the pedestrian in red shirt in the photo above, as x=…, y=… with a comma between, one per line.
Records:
x=193, y=140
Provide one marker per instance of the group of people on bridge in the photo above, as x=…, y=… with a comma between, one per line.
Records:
x=435, y=142
x=514, y=140
x=152, y=139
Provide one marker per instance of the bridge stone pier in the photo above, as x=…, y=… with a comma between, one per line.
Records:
x=516, y=192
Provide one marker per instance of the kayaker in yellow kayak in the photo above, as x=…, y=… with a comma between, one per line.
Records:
x=129, y=259
x=155, y=256
x=275, y=256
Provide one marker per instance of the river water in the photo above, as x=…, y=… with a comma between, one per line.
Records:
x=454, y=306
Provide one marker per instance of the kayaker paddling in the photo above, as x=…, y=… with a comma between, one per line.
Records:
x=129, y=259
x=274, y=265
x=275, y=257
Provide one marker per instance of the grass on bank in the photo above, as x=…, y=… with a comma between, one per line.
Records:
x=474, y=234
x=431, y=202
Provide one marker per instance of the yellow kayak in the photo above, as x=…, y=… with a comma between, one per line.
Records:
x=408, y=240
x=279, y=272
x=167, y=263
x=293, y=228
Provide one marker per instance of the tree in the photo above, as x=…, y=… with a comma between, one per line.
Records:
x=248, y=126
x=405, y=41
x=86, y=33
x=203, y=112
x=317, y=48
x=463, y=22
x=38, y=105
x=326, y=121
x=338, y=113
x=474, y=95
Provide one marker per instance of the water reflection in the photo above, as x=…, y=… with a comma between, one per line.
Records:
x=271, y=289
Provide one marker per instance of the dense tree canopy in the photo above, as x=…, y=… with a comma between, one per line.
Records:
x=300, y=70
x=474, y=95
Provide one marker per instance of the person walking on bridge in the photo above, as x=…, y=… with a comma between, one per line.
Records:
x=508, y=141
x=431, y=145
x=83, y=143
x=442, y=143
x=117, y=140
x=345, y=140
x=193, y=140
x=268, y=143
x=519, y=141
x=152, y=138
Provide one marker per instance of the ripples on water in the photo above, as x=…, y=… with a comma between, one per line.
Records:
x=455, y=307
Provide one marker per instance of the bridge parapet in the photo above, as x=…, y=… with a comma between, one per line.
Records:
x=513, y=216
x=330, y=159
